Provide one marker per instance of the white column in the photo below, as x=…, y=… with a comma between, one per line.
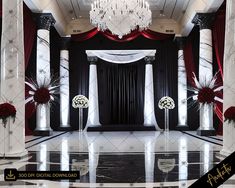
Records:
x=12, y=78
x=205, y=20
x=93, y=109
x=149, y=111
x=64, y=84
x=43, y=74
x=229, y=77
x=182, y=86
x=205, y=56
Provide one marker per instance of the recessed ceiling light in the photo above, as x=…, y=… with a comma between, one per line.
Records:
x=73, y=18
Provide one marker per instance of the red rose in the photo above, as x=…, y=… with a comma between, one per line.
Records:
x=206, y=95
x=229, y=114
x=7, y=110
x=42, y=95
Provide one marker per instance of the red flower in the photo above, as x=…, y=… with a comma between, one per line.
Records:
x=206, y=95
x=7, y=110
x=229, y=114
x=42, y=95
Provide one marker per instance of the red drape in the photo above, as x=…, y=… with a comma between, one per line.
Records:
x=29, y=34
x=218, y=34
x=85, y=36
x=133, y=35
x=129, y=37
x=30, y=31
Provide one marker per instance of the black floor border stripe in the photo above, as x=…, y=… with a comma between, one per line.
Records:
x=215, y=138
x=47, y=139
x=201, y=138
x=34, y=139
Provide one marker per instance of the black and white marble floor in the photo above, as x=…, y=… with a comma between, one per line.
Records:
x=120, y=159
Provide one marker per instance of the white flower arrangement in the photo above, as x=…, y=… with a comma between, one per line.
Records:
x=166, y=103
x=80, y=101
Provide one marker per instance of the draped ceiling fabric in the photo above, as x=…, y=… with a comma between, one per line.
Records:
x=152, y=35
x=121, y=56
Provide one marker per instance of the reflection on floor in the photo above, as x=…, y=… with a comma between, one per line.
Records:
x=120, y=159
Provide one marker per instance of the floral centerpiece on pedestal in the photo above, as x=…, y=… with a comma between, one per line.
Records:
x=80, y=102
x=166, y=103
x=7, y=110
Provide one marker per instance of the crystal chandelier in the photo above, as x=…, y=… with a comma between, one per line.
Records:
x=120, y=16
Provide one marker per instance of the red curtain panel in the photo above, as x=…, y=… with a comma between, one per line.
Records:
x=129, y=37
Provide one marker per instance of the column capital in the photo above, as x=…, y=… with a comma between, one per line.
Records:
x=180, y=41
x=204, y=20
x=92, y=59
x=149, y=59
x=44, y=20
x=64, y=43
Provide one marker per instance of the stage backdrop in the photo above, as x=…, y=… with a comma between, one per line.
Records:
x=164, y=71
x=165, y=80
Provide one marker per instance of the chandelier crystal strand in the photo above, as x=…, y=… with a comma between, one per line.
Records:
x=120, y=16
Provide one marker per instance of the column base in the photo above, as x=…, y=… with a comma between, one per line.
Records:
x=15, y=156
x=68, y=128
x=182, y=127
x=42, y=132
x=206, y=132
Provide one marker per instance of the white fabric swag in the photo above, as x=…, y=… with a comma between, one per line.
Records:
x=121, y=56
